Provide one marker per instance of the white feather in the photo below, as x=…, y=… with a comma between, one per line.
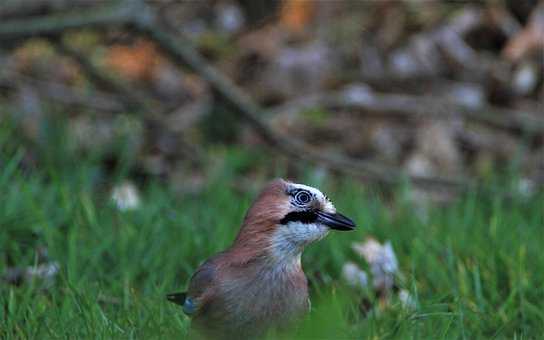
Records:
x=289, y=240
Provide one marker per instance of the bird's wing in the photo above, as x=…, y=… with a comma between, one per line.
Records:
x=182, y=299
x=201, y=288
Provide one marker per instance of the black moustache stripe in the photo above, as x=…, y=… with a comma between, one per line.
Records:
x=299, y=216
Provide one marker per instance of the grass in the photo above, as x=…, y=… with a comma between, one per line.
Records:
x=475, y=267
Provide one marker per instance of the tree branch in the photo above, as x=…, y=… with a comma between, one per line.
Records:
x=407, y=106
x=117, y=14
x=11, y=8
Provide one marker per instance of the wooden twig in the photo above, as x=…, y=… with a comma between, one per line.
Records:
x=11, y=8
x=182, y=52
x=417, y=107
x=55, y=24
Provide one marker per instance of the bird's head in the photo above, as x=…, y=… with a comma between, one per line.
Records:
x=287, y=216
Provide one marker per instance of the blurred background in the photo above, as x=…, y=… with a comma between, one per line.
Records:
x=173, y=105
x=451, y=91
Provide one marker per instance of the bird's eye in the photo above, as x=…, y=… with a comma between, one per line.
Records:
x=302, y=198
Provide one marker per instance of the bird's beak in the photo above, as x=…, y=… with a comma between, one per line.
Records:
x=335, y=221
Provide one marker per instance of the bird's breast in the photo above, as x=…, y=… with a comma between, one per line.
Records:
x=261, y=297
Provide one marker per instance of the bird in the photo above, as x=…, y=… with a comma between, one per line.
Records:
x=257, y=284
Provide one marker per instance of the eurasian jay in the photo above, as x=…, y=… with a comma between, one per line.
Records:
x=258, y=284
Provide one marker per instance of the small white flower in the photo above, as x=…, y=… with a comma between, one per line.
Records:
x=125, y=196
x=354, y=276
x=382, y=261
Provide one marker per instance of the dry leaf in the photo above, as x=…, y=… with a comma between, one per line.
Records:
x=136, y=62
x=296, y=15
x=531, y=38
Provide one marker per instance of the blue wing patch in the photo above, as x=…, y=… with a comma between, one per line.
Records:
x=189, y=307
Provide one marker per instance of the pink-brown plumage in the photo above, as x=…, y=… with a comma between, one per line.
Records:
x=258, y=283
x=260, y=222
